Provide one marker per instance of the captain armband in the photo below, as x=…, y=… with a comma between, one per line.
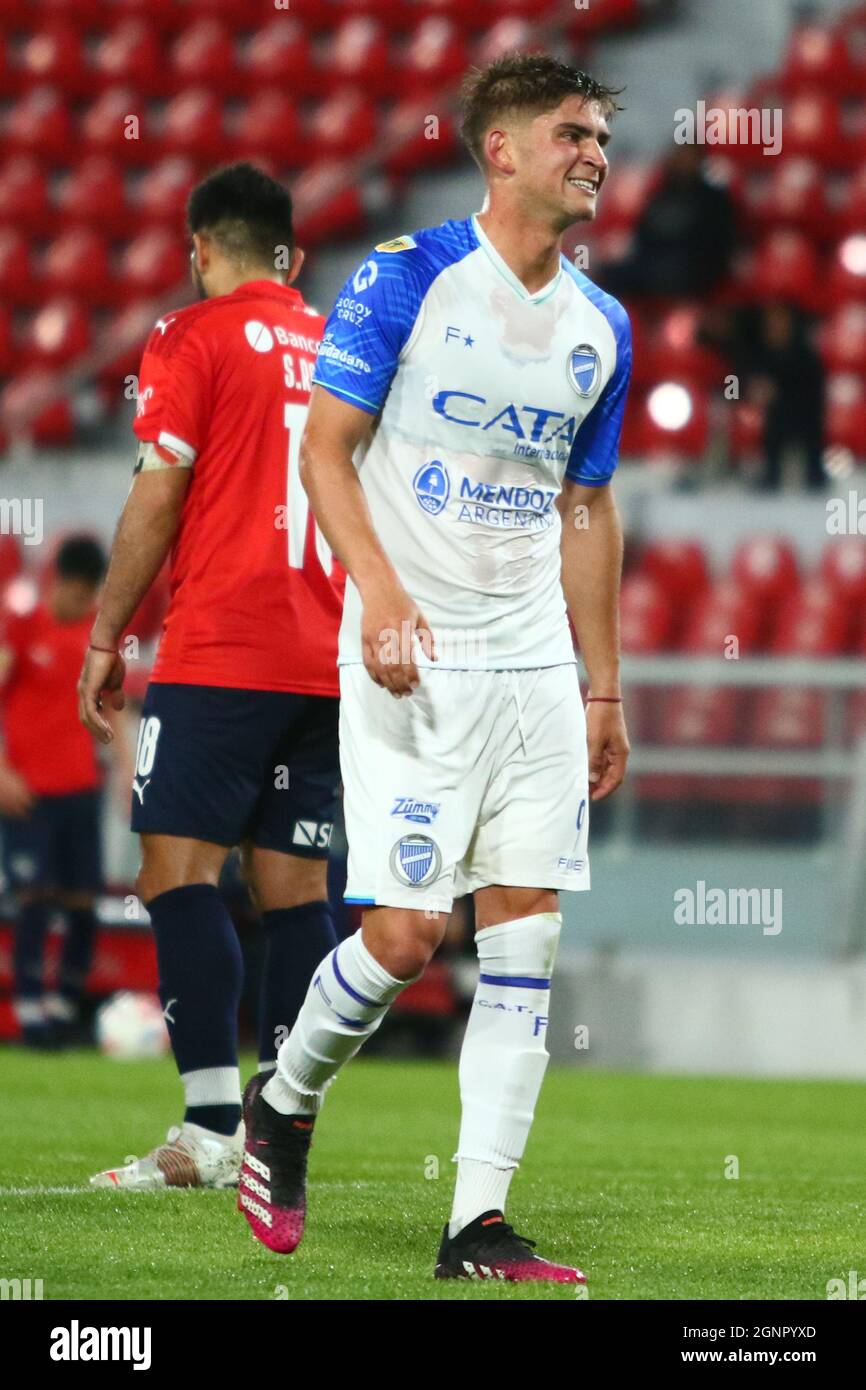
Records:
x=153, y=455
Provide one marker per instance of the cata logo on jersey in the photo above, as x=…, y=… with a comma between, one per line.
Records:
x=416, y=860
x=432, y=487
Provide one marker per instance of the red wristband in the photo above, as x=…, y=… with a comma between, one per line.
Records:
x=603, y=700
x=93, y=647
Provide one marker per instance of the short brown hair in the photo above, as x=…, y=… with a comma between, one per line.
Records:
x=529, y=82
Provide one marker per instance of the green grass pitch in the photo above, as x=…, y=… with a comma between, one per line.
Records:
x=624, y=1175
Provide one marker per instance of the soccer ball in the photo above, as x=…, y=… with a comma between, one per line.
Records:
x=130, y=1026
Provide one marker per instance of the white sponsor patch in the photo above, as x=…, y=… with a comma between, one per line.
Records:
x=259, y=336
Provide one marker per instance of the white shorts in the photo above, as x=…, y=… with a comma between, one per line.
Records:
x=477, y=778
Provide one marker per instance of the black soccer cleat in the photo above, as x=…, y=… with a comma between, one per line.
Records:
x=488, y=1248
x=273, y=1177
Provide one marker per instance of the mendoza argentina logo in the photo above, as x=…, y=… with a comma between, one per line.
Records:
x=77, y=1343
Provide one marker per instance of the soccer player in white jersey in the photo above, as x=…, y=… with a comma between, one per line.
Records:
x=458, y=454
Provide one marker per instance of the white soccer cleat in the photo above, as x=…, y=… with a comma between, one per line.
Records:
x=190, y=1157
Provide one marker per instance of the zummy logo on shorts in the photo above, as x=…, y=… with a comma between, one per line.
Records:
x=416, y=860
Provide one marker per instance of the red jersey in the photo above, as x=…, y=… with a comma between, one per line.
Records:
x=256, y=596
x=45, y=741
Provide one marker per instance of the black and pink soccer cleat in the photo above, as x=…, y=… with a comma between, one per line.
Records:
x=488, y=1248
x=273, y=1176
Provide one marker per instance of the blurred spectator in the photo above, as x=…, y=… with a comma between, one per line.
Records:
x=50, y=807
x=684, y=238
x=785, y=374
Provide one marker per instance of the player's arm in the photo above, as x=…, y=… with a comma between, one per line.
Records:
x=592, y=548
x=333, y=432
x=145, y=531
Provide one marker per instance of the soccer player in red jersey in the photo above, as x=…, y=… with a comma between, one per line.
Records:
x=238, y=736
x=50, y=790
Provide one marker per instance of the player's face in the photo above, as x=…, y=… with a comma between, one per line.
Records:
x=561, y=161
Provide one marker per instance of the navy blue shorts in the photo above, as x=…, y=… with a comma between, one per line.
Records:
x=58, y=846
x=227, y=765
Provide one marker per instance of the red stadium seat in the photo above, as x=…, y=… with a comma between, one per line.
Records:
x=77, y=264
x=53, y=54
x=843, y=566
x=624, y=197
x=815, y=622
x=193, y=125
x=813, y=128
x=680, y=569
x=204, y=55
x=847, y=278
x=163, y=191
x=701, y=715
x=676, y=352
x=793, y=196
x=646, y=615
x=846, y=414
x=279, y=53
x=7, y=356
x=126, y=334
x=505, y=36
x=602, y=16
x=343, y=126
x=856, y=714
x=409, y=143
x=852, y=211
x=725, y=610
x=766, y=568
x=59, y=332
x=674, y=423
x=817, y=56
x=268, y=127
x=117, y=124
x=39, y=124
x=328, y=205
x=843, y=339
x=436, y=55
x=16, y=274
x=536, y=11
x=24, y=194
x=130, y=52
x=93, y=194
x=785, y=266
x=52, y=423
x=788, y=716
x=152, y=264
x=358, y=53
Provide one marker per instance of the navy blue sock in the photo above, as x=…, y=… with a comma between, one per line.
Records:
x=200, y=978
x=297, y=939
x=29, y=949
x=77, y=954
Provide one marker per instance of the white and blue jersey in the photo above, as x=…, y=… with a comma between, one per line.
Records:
x=487, y=396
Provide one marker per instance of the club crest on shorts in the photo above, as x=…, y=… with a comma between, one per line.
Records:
x=416, y=860
x=584, y=369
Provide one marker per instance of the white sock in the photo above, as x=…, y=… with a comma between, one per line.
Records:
x=503, y=1060
x=212, y=1086
x=348, y=997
